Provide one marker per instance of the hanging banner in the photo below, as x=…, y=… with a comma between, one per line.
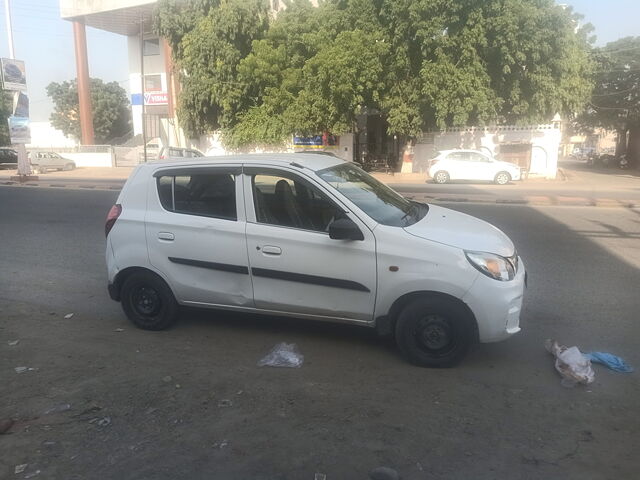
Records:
x=20, y=105
x=14, y=75
x=19, y=130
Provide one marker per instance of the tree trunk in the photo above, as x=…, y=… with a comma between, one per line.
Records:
x=621, y=143
x=633, y=149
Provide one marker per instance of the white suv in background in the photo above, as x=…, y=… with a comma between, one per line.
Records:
x=310, y=236
x=471, y=165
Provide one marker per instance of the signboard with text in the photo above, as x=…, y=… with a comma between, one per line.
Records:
x=14, y=75
x=19, y=130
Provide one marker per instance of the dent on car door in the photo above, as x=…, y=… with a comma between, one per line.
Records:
x=296, y=267
x=196, y=234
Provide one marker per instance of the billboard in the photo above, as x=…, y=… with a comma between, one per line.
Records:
x=19, y=130
x=14, y=76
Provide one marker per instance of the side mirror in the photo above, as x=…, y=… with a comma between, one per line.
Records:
x=344, y=229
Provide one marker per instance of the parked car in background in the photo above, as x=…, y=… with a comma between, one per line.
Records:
x=41, y=162
x=310, y=236
x=8, y=158
x=177, y=153
x=471, y=165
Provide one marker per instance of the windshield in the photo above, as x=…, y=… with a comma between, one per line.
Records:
x=374, y=198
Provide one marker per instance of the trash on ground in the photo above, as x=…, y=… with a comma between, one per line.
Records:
x=104, y=421
x=225, y=402
x=384, y=473
x=13, y=343
x=572, y=365
x=119, y=330
x=68, y=316
x=610, y=361
x=24, y=369
x=63, y=407
x=32, y=474
x=20, y=468
x=283, y=355
x=167, y=379
x=5, y=425
x=319, y=476
x=221, y=444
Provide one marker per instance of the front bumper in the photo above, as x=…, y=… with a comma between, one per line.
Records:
x=497, y=305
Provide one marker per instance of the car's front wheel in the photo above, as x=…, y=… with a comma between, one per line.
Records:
x=502, y=178
x=434, y=331
x=148, y=301
x=441, y=177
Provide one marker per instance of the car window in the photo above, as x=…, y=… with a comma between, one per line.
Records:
x=289, y=201
x=478, y=157
x=373, y=197
x=458, y=156
x=175, y=152
x=196, y=153
x=208, y=195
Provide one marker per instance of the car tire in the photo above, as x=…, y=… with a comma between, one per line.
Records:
x=441, y=177
x=148, y=301
x=435, y=332
x=68, y=166
x=502, y=178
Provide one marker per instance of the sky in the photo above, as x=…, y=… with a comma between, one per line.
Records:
x=45, y=42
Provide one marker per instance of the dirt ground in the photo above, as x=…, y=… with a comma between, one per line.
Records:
x=354, y=405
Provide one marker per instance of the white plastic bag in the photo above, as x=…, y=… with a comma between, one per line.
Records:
x=283, y=355
x=572, y=365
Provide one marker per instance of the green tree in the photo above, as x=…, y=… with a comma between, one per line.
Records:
x=110, y=106
x=6, y=109
x=421, y=63
x=615, y=102
x=209, y=39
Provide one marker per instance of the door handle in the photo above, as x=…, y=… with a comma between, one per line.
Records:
x=166, y=236
x=271, y=250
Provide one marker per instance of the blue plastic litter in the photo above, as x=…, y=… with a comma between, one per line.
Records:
x=610, y=361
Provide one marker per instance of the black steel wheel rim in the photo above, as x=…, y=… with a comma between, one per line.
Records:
x=146, y=301
x=435, y=335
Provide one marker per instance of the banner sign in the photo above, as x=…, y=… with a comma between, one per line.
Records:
x=14, y=76
x=155, y=98
x=20, y=105
x=19, y=130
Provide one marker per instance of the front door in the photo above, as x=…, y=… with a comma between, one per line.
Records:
x=295, y=266
x=196, y=234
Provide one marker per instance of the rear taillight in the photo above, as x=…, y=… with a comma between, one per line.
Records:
x=112, y=216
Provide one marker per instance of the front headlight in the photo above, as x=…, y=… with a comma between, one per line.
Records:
x=494, y=266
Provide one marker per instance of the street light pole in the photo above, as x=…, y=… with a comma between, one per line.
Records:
x=23, y=162
x=7, y=15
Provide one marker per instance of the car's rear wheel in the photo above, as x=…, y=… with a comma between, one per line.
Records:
x=502, y=178
x=434, y=332
x=38, y=170
x=441, y=177
x=68, y=166
x=148, y=301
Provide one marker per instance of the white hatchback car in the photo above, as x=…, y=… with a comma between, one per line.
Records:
x=310, y=236
x=471, y=165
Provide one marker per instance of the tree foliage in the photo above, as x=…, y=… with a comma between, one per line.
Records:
x=6, y=109
x=110, y=106
x=421, y=63
x=615, y=102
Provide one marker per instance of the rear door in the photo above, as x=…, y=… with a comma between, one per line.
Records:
x=295, y=266
x=195, y=228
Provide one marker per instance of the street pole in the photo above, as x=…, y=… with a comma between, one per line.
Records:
x=24, y=169
x=144, y=127
x=7, y=15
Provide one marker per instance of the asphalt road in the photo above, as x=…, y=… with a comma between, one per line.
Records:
x=354, y=405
